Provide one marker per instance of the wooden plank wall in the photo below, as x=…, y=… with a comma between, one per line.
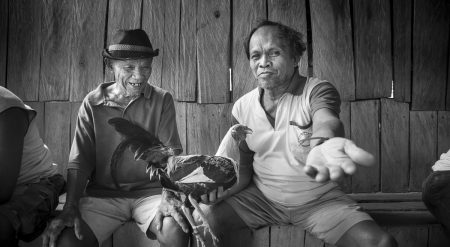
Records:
x=389, y=60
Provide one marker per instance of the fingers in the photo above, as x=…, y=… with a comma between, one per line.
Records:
x=322, y=174
x=358, y=155
x=180, y=220
x=336, y=173
x=52, y=233
x=310, y=171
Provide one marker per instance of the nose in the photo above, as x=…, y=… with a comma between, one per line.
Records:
x=264, y=62
x=138, y=73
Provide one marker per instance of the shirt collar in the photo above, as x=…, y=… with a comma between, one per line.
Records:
x=97, y=96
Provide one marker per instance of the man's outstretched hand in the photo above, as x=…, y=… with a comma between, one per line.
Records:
x=336, y=158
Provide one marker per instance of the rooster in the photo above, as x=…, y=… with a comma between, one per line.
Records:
x=192, y=175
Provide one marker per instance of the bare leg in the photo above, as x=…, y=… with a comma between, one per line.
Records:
x=171, y=233
x=204, y=220
x=367, y=234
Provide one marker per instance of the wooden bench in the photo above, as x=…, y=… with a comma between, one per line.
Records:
x=404, y=215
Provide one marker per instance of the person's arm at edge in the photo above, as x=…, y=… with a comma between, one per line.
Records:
x=13, y=127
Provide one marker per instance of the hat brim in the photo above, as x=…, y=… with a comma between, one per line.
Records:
x=127, y=55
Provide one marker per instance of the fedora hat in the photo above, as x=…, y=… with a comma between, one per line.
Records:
x=130, y=44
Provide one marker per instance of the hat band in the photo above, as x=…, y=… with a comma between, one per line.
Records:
x=138, y=48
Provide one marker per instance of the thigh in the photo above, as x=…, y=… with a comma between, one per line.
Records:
x=104, y=215
x=254, y=209
x=144, y=210
x=331, y=216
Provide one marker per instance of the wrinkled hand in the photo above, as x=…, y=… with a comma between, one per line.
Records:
x=214, y=196
x=170, y=206
x=336, y=158
x=69, y=217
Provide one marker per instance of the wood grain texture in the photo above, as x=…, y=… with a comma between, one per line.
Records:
x=88, y=29
x=122, y=15
x=333, y=45
x=394, y=146
x=247, y=238
x=170, y=57
x=206, y=125
x=443, y=135
x=153, y=24
x=213, y=51
x=423, y=144
x=365, y=133
x=24, y=48
x=57, y=132
x=346, y=183
x=409, y=236
x=187, y=72
x=180, y=111
x=287, y=236
x=373, y=58
x=40, y=115
x=402, y=11
x=3, y=40
x=293, y=14
x=437, y=236
x=57, y=18
x=245, y=15
x=430, y=54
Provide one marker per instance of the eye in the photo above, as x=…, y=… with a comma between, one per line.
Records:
x=255, y=56
x=274, y=53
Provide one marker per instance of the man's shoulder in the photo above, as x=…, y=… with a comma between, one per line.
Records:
x=96, y=96
x=248, y=97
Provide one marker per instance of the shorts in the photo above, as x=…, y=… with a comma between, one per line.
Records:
x=105, y=215
x=32, y=205
x=327, y=218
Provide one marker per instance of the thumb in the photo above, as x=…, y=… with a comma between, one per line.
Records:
x=358, y=155
x=159, y=220
x=77, y=228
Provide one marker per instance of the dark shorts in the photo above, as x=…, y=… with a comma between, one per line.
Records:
x=328, y=218
x=30, y=210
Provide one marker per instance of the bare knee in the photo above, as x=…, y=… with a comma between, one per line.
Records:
x=383, y=240
x=171, y=234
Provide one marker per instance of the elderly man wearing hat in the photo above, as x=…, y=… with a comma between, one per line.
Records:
x=95, y=205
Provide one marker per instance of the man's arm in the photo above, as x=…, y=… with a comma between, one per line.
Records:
x=13, y=127
x=327, y=124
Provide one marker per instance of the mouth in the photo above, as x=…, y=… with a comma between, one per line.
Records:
x=138, y=84
x=265, y=73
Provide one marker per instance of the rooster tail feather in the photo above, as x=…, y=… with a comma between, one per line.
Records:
x=130, y=130
x=115, y=160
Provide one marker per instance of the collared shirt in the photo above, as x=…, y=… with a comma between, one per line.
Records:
x=443, y=164
x=36, y=161
x=279, y=157
x=95, y=141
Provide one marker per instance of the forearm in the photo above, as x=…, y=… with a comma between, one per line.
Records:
x=76, y=183
x=328, y=129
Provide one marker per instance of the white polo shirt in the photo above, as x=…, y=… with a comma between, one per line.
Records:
x=279, y=158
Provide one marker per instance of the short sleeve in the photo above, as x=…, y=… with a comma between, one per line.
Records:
x=325, y=95
x=168, y=131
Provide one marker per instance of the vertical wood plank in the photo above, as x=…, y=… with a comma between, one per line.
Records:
x=40, y=114
x=3, y=40
x=153, y=24
x=293, y=14
x=372, y=37
x=24, y=48
x=57, y=132
x=170, y=57
x=402, y=41
x=202, y=117
x=311, y=241
x=431, y=19
x=88, y=29
x=213, y=50
x=75, y=107
x=423, y=143
x=57, y=20
x=365, y=133
x=443, y=132
x=394, y=146
x=245, y=14
x=122, y=15
x=187, y=72
x=410, y=236
x=287, y=236
x=333, y=45
x=437, y=236
x=180, y=110
x=247, y=238
x=346, y=183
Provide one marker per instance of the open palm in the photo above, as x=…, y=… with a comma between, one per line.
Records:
x=335, y=158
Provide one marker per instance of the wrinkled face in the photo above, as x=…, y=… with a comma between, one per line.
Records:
x=132, y=75
x=271, y=60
